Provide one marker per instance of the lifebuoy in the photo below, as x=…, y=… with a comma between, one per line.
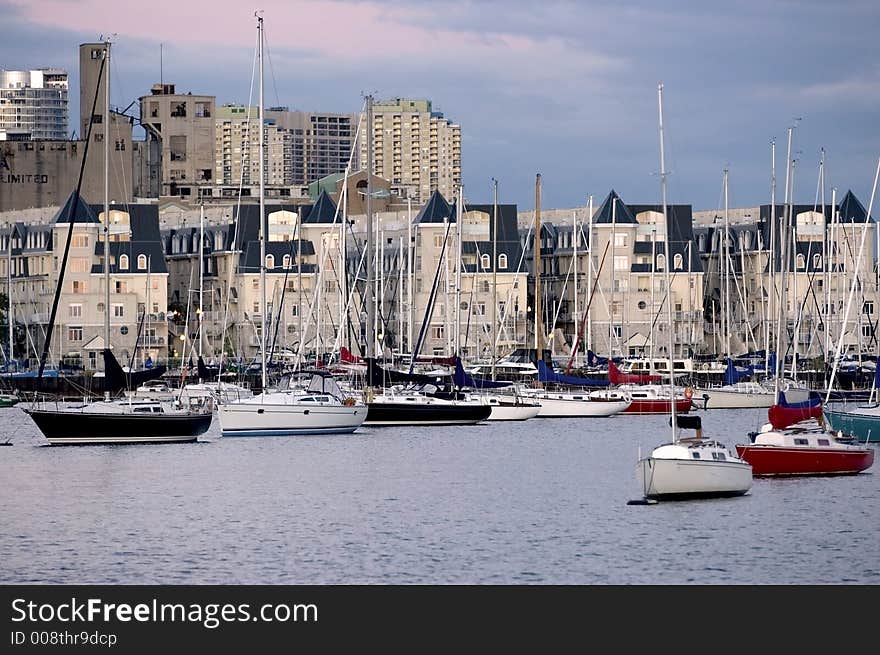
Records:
x=688, y=393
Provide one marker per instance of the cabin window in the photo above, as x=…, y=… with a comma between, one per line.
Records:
x=801, y=442
x=142, y=262
x=719, y=456
x=695, y=455
x=123, y=262
x=824, y=442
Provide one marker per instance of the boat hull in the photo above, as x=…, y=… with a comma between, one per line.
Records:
x=658, y=406
x=562, y=408
x=681, y=479
x=284, y=420
x=862, y=426
x=769, y=460
x=379, y=414
x=513, y=412
x=83, y=428
x=720, y=399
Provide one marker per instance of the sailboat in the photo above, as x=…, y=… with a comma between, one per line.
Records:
x=691, y=467
x=796, y=441
x=418, y=403
x=322, y=408
x=110, y=421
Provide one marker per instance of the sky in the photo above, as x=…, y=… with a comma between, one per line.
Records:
x=565, y=89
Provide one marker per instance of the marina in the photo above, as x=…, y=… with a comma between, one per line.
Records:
x=541, y=501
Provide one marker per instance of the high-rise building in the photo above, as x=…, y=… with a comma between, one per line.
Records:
x=237, y=139
x=33, y=105
x=414, y=147
x=321, y=143
x=184, y=125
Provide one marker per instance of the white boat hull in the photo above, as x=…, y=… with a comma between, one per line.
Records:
x=267, y=419
x=723, y=399
x=567, y=408
x=513, y=412
x=682, y=478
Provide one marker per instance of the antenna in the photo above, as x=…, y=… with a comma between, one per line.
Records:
x=161, y=79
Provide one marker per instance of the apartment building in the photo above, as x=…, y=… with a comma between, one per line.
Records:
x=743, y=293
x=33, y=105
x=414, y=147
x=138, y=284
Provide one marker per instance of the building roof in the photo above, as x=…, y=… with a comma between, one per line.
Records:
x=608, y=214
x=323, y=211
x=145, y=240
x=507, y=243
x=436, y=210
x=77, y=208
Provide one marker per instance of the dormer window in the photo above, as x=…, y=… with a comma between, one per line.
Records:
x=270, y=261
x=678, y=262
x=142, y=262
x=661, y=262
x=801, y=262
x=123, y=262
x=484, y=262
x=285, y=261
x=502, y=261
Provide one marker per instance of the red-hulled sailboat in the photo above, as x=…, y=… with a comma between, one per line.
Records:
x=796, y=442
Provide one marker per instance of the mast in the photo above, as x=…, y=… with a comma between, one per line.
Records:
x=459, y=212
x=263, y=235
x=726, y=253
x=574, y=236
x=201, y=311
x=411, y=274
x=371, y=310
x=651, y=351
x=771, y=287
x=783, y=247
x=590, y=276
x=666, y=267
x=494, y=273
x=611, y=304
x=9, y=299
x=539, y=342
x=107, y=206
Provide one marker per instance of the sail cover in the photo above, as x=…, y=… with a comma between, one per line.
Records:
x=547, y=374
x=463, y=379
x=785, y=413
x=115, y=379
x=732, y=375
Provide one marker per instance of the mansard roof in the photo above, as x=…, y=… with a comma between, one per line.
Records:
x=323, y=211
x=75, y=210
x=436, y=210
x=608, y=214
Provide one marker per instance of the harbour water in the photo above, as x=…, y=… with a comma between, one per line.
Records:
x=537, y=502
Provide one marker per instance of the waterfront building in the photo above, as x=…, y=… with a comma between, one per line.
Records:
x=414, y=147
x=33, y=105
x=138, y=284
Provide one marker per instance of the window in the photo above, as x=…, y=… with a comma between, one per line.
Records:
x=123, y=262
x=619, y=239
x=121, y=286
x=75, y=311
x=79, y=241
x=155, y=284
x=643, y=305
x=824, y=442
x=617, y=331
x=621, y=263
x=438, y=240
x=801, y=262
x=118, y=311
x=817, y=261
x=678, y=262
x=661, y=262
x=801, y=442
x=123, y=330
x=255, y=283
x=437, y=332
x=294, y=310
x=100, y=308
x=142, y=262
x=868, y=307
x=80, y=264
x=256, y=308
x=79, y=286
x=484, y=261
x=502, y=261
x=866, y=330
x=270, y=261
x=285, y=261
x=484, y=286
x=74, y=333
x=694, y=454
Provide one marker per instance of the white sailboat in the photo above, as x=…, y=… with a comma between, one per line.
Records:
x=687, y=467
x=322, y=408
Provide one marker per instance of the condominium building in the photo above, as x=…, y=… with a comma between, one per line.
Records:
x=33, y=105
x=321, y=144
x=237, y=141
x=414, y=147
x=183, y=125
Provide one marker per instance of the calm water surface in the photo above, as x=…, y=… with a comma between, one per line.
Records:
x=537, y=502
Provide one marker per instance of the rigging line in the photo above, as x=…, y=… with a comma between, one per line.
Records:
x=75, y=202
x=429, y=310
x=589, y=302
x=271, y=67
x=233, y=245
x=280, y=312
